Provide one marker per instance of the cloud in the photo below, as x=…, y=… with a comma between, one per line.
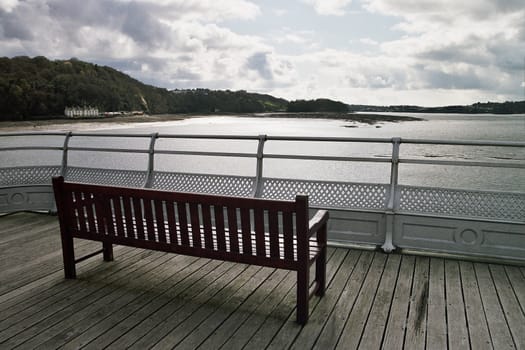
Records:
x=329, y=7
x=259, y=63
x=462, y=51
x=8, y=5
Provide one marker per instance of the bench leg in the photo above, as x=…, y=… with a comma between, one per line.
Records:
x=68, y=255
x=320, y=273
x=107, y=251
x=320, y=264
x=303, y=294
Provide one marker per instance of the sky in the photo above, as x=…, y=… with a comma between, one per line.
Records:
x=379, y=52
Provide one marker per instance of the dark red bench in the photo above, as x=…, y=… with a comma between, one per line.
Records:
x=261, y=232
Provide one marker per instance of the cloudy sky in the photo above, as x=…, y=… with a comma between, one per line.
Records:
x=426, y=52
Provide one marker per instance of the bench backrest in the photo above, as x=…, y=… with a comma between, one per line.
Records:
x=231, y=227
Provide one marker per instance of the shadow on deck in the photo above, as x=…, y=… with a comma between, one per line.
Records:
x=155, y=300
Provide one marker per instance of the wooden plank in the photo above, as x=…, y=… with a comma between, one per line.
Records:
x=25, y=233
x=283, y=316
x=457, y=328
x=14, y=224
x=108, y=301
x=87, y=205
x=417, y=315
x=55, y=289
x=186, y=307
x=118, y=213
x=353, y=330
x=39, y=320
x=219, y=227
x=53, y=276
x=28, y=267
x=436, y=318
x=195, y=225
x=273, y=227
x=246, y=231
x=264, y=299
x=498, y=327
x=290, y=330
x=259, y=232
x=232, y=229
x=376, y=323
x=352, y=271
x=160, y=221
x=172, y=224
x=397, y=320
x=128, y=217
x=113, y=328
x=138, y=216
x=288, y=236
x=193, y=279
x=477, y=324
x=148, y=216
x=206, y=221
x=209, y=314
x=183, y=224
x=26, y=276
x=510, y=304
x=517, y=280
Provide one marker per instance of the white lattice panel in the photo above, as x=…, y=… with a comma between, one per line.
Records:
x=478, y=204
x=116, y=177
x=38, y=175
x=201, y=183
x=329, y=194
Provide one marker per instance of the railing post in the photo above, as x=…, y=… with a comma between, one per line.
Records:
x=151, y=158
x=257, y=188
x=388, y=245
x=63, y=168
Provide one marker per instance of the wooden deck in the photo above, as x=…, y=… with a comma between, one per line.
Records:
x=154, y=300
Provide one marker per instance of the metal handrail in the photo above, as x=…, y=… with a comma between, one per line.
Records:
x=391, y=191
x=396, y=142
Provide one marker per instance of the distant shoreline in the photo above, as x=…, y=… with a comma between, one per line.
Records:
x=89, y=123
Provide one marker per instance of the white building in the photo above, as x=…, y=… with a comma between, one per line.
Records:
x=81, y=112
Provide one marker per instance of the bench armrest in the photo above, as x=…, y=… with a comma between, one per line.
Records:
x=320, y=218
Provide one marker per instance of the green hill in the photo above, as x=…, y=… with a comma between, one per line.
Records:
x=37, y=87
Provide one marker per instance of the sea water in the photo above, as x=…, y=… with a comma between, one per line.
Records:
x=452, y=127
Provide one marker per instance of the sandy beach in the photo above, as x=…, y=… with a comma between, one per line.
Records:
x=63, y=124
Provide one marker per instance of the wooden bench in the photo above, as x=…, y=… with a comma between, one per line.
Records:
x=261, y=232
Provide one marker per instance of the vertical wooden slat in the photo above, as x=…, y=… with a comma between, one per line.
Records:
x=183, y=224
x=79, y=209
x=206, y=218
x=246, y=231
x=233, y=230
x=274, y=233
x=258, y=214
x=88, y=206
x=159, y=217
x=117, y=208
x=110, y=216
x=195, y=225
x=128, y=217
x=148, y=214
x=219, y=227
x=137, y=211
x=101, y=210
x=172, y=224
x=288, y=235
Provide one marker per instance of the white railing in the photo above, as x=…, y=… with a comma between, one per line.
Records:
x=388, y=204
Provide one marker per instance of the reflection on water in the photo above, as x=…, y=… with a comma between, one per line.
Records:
x=436, y=127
